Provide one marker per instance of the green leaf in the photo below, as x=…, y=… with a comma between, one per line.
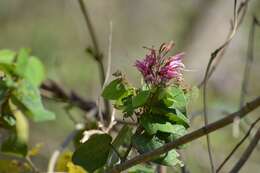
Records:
x=22, y=62
x=114, y=90
x=170, y=159
x=93, y=154
x=174, y=97
x=29, y=96
x=178, y=118
x=123, y=137
x=140, y=99
x=145, y=143
x=141, y=169
x=34, y=71
x=13, y=145
x=7, y=56
x=155, y=123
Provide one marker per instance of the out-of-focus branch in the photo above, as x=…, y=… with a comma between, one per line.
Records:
x=249, y=61
x=55, y=155
x=238, y=145
x=97, y=55
x=27, y=160
x=59, y=93
x=246, y=74
x=187, y=138
x=245, y=156
x=219, y=52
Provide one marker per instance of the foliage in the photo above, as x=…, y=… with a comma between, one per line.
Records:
x=159, y=107
x=20, y=99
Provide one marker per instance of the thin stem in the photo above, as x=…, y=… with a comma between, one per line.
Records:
x=34, y=168
x=70, y=97
x=249, y=61
x=63, y=145
x=238, y=145
x=245, y=156
x=97, y=54
x=214, y=55
x=187, y=138
x=117, y=153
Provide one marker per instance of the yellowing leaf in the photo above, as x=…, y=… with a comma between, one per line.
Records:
x=75, y=168
x=35, y=150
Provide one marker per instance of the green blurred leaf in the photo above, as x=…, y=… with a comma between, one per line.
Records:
x=7, y=56
x=114, y=90
x=22, y=62
x=174, y=97
x=155, y=123
x=140, y=99
x=178, y=118
x=13, y=145
x=123, y=137
x=34, y=71
x=145, y=143
x=141, y=169
x=29, y=96
x=93, y=154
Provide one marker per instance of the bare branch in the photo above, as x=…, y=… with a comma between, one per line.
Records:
x=214, y=55
x=55, y=155
x=238, y=145
x=72, y=97
x=247, y=70
x=96, y=54
x=245, y=156
x=187, y=138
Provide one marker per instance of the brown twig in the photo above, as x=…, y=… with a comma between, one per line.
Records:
x=245, y=156
x=96, y=54
x=214, y=55
x=238, y=144
x=187, y=138
x=71, y=97
x=218, y=54
x=247, y=70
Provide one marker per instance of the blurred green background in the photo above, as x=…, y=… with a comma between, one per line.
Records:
x=56, y=32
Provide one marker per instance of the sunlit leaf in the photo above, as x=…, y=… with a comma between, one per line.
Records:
x=34, y=71
x=114, y=90
x=7, y=56
x=155, y=123
x=29, y=96
x=140, y=99
x=22, y=62
x=141, y=169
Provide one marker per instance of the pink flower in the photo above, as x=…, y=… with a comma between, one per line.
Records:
x=173, y=68
x=146, y=66
x=156, y=69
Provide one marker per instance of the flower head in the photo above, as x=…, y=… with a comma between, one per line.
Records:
x=158, y=69
x=146, y=66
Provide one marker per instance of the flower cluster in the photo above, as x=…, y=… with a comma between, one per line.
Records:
x=157, y=69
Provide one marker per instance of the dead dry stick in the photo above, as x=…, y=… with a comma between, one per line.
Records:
x=238, y=145
x=248, y=65
x=245, y=156
x=214, y=55
x=186, y=138
x=96, y=54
